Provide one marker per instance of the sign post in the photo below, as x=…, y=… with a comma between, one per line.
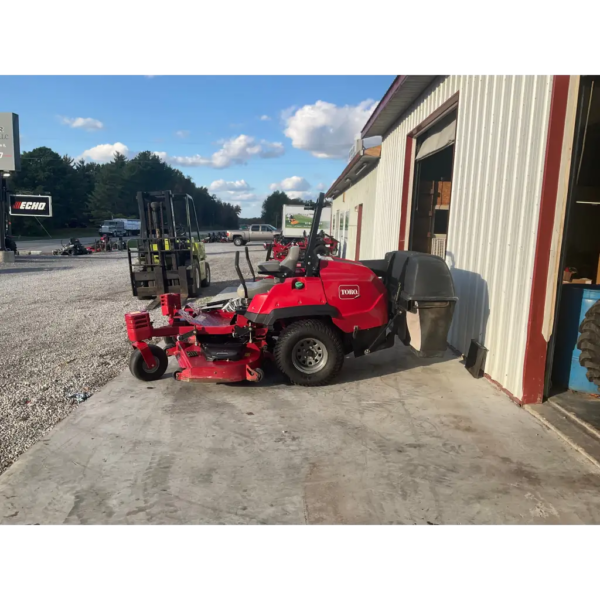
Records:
x=2, y=212
x=10, y=161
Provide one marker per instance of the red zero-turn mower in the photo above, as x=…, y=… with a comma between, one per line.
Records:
x=306, y=318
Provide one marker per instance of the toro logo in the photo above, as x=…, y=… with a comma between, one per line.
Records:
x=349, y=292
x=29, y=205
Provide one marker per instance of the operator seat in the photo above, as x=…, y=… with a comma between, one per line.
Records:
x=279, y=270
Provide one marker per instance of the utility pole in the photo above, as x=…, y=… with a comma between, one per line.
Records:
x=2, y=212
x=10, y=162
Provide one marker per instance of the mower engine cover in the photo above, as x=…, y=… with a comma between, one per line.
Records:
x=347, y=292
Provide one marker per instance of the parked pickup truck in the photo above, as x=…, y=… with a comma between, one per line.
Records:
x=254, y=233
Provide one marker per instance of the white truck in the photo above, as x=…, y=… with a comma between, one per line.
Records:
x=254, y=233
x=120, y=227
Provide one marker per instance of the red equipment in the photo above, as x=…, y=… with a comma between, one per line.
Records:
x=279, y=248
x=307, y=319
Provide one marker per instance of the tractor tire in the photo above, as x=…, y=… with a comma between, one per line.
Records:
x=238, y=241
x=138, y=368
x=206, y=281
x=589, y=343
x=309, y=352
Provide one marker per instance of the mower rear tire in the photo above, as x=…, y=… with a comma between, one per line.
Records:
x=206, y=281
x=589, y=343
x=139, y=369
x=309, y=352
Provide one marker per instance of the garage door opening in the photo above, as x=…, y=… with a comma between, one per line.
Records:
x=574, y=352
x=433, y=187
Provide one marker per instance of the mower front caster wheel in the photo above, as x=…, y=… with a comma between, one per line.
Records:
x=139, y=369
x=309, y=352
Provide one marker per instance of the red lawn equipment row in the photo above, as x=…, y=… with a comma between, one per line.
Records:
x=278, y=249
x=305, y=317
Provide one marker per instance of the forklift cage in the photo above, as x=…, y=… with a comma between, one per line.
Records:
x=159, y=250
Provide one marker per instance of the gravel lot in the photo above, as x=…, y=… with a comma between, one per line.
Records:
x=62, y=331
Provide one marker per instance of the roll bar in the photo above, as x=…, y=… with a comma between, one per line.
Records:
x=311, y=262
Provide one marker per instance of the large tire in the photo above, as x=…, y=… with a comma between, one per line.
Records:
x=238, y=241
x=11, y=244
x=196, y=279
x=206, y=281
x=309, y=352
x=589, y=343
x=138, y=368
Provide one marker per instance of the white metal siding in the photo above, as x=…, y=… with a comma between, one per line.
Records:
x=499, y=160
x=363, y=193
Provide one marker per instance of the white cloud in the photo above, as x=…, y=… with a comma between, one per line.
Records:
x=301, y=195
x=291, y=184
x=86, y=123
x=220, y=185
x=324, y=129
x=235, y=151
x=237, y=197
x=104, y=152
x=182, y=133
x=265, y=118
x=321, y=187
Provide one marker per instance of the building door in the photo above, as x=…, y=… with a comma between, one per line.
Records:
x=573, y=356
x=344, y=225
x=358, y=232
x=433, y=188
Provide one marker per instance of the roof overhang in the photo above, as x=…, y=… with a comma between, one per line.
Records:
x=355, y=170
x=397, y=100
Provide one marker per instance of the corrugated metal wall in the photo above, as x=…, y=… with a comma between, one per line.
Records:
x=496, y=190
x=363, y=193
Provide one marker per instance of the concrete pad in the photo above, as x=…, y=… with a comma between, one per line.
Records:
x=7, y=256
x=396, y=440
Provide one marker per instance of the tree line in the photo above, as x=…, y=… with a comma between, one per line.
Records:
x=86, y=193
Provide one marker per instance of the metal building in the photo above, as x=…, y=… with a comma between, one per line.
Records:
x=475, y=169
x=353, y=195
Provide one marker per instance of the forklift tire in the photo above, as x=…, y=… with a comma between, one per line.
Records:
x=196, y=279
x=309, y=352
x=206, y=281
x=238, y=241
x=589, y=343
x=138, y=368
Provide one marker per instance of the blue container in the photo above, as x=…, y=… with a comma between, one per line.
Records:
x=576, y=300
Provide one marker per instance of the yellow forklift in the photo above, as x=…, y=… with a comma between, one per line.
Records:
x=169, y=258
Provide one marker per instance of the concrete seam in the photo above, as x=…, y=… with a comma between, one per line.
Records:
x=562, y=436
x=591, y=430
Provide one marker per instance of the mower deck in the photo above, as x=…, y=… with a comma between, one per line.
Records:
x=195, y=367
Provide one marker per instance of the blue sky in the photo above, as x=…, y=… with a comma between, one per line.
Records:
x=239, y=136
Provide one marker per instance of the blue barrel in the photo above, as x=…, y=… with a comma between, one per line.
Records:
x=576, y=300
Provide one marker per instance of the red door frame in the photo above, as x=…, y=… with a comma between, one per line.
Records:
x=450, y=104
x=536, y=346
x=358, y=233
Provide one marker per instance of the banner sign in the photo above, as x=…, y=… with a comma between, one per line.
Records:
x=296, y=220
x=30, y=206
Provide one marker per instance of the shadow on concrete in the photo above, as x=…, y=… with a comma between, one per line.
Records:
x=379, y=364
